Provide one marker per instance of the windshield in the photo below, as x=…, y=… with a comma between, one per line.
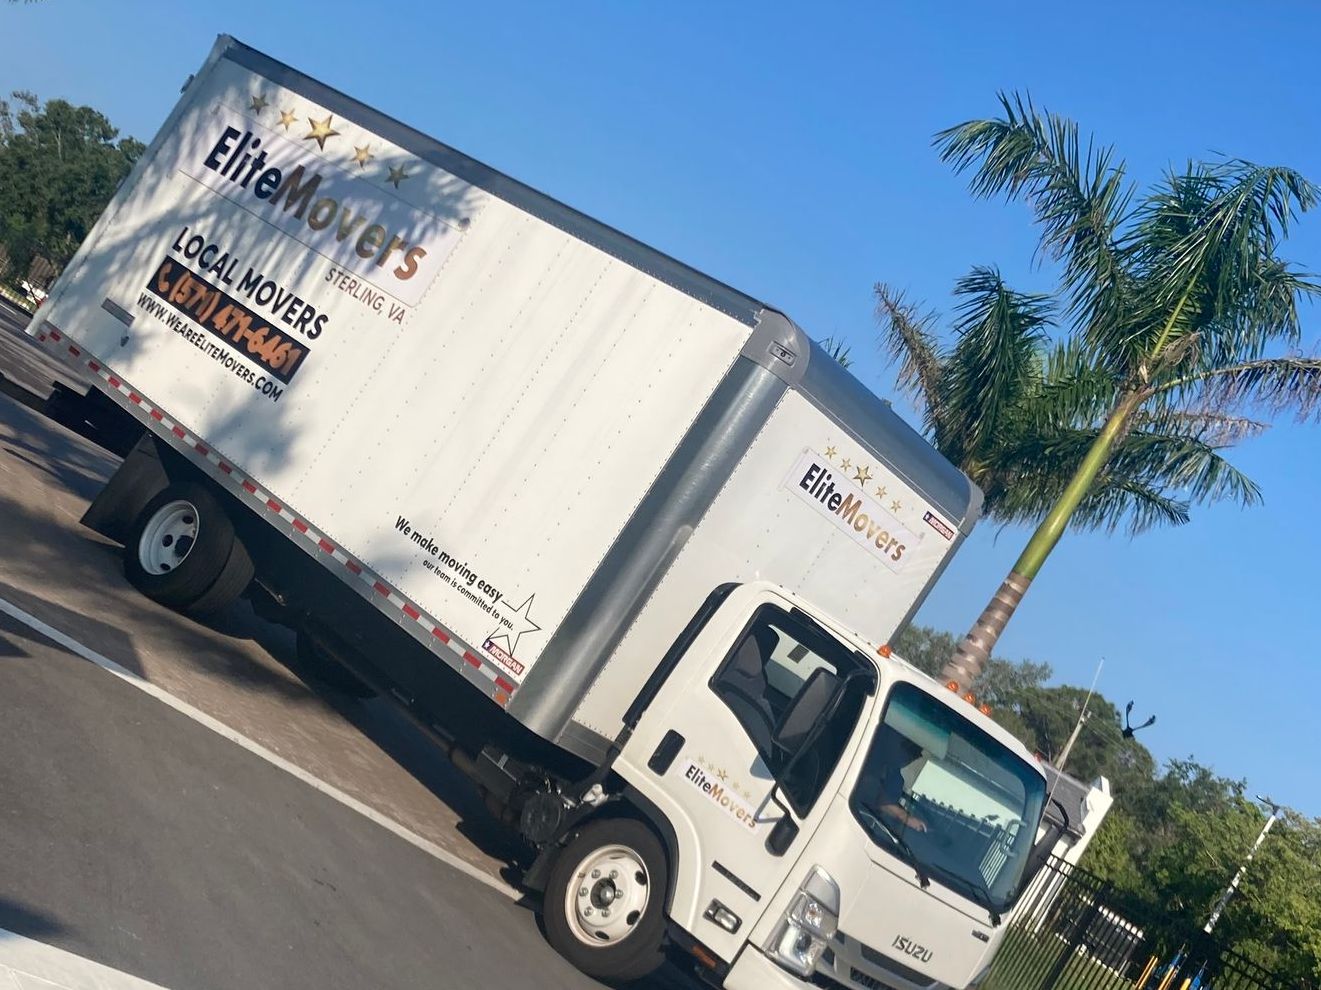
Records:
x=942, y=793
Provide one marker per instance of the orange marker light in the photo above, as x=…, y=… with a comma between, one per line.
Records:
x=704, y=957
x=985, y=709
x=953, y=686
x=885, y=650
x=970, y=698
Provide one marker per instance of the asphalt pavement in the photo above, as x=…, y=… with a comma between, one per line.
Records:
x=148, y=841
x=138, y=838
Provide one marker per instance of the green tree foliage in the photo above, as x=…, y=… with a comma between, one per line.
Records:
x=59, y=166
x=1173, y=842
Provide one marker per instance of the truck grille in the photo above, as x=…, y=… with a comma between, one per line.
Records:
x=870, y=982
x=882, y=961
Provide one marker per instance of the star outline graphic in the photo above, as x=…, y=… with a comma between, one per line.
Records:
x=528, y=626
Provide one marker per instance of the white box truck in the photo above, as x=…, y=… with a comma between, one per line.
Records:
x=621, y=537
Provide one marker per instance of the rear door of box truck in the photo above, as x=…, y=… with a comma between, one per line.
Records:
x=449, y=401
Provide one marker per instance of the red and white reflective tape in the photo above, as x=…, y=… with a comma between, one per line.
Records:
x=423, y=627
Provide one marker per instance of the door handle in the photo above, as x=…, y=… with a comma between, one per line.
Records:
x=665, y=753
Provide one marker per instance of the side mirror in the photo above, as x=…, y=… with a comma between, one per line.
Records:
x=1045, y=845
x=796, y=731
x=800, y=720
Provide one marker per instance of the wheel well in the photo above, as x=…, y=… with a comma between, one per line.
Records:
x=633, y=805
x=639, y=806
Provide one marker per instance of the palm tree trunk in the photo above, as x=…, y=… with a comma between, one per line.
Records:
x=971, y=655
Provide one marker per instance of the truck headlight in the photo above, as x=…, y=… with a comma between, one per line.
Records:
x=808, y=926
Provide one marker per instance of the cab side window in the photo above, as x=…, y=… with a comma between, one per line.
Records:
x=762, y=676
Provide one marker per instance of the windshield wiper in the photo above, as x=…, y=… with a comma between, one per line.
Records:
x=922, y=876
x=975, y=890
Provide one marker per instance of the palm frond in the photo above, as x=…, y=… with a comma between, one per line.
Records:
x=1075, y=389
x=1182, y=464
x=1274, y=386
x=838, y=350
x=995, y=362
x=1153, y=477
x=1214, y=428
x=1122, y=503
x=907, y=339
x=1078, y=194
x=1206, y=241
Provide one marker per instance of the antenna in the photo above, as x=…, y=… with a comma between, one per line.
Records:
x=1082, y=717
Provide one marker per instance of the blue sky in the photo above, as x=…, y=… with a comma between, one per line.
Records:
x=786, y=149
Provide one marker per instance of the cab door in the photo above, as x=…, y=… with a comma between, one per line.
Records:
x=710, y=745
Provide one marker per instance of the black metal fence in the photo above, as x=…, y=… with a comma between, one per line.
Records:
x=1070, y=932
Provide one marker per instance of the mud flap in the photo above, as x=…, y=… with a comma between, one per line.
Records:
x=132, y=486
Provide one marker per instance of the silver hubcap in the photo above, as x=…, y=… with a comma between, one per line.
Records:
x=168, y=537
x=607, y=896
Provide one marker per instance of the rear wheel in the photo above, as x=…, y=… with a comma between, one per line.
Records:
x=604, y=905
x=182, y=552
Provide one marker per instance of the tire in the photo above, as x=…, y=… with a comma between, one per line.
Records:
x=181, y=551
x=329, y=671
x=578, y=906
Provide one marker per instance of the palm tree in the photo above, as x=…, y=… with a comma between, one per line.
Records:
x=1181, y=317
x=1003, y=405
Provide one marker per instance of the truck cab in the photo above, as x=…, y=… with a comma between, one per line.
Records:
x=827, y=814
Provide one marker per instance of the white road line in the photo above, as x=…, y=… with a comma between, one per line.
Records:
x=257, y=749
x=28, y=963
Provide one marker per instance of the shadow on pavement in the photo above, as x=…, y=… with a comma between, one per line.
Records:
x=28, y=922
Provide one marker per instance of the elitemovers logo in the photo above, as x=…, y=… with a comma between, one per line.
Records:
x=850, y=508
x=345, y=218
x=239, y=158
x=721, y=793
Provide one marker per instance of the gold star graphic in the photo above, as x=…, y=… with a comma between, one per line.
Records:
x=287, y=118
x=258, y=103
x=880, y=492
x=895, y=506
x=363, y=155
x=397, y=175
x=845, y=464
x=722, y=774
x=830, y=453
x=863, y=476
x=321, y=130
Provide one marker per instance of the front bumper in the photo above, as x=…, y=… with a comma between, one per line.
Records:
x=753, y=970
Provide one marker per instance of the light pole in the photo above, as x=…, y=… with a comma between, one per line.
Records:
x=1219, y=909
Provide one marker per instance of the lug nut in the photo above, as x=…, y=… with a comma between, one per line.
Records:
x=596, y=874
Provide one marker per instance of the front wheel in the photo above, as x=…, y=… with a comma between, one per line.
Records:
x=604, y=906
x=182, y=551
